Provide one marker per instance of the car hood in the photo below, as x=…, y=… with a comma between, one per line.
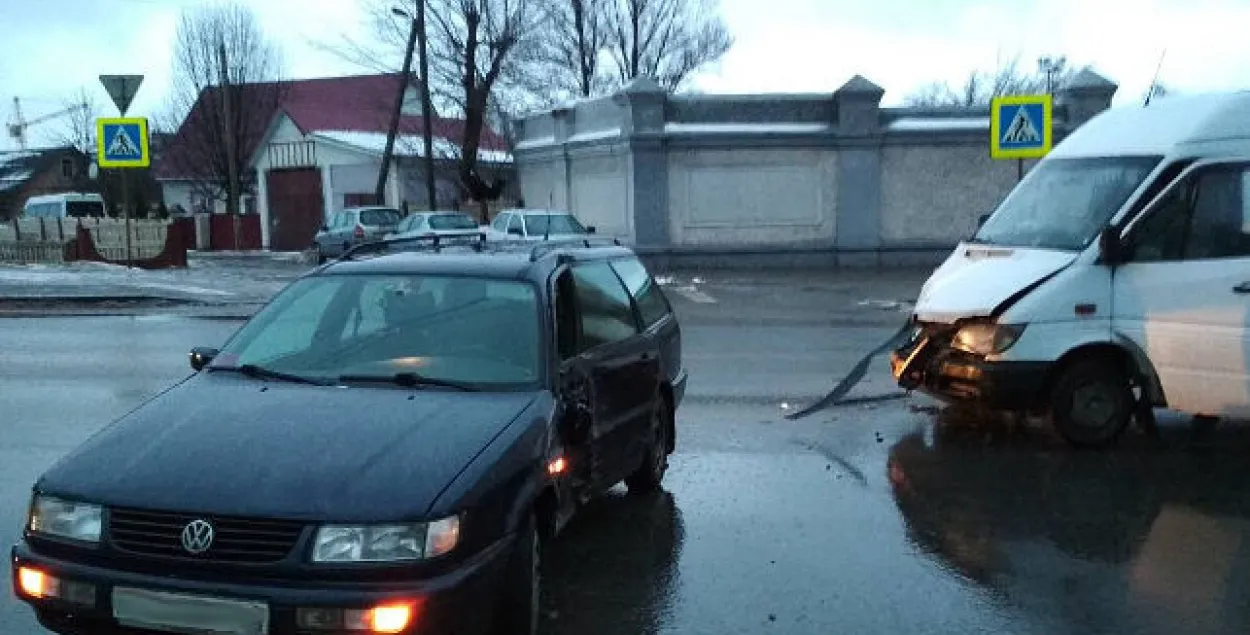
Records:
x=236, y=446
x=975, y=279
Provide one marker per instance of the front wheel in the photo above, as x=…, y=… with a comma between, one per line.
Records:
x=648, y=476
x=520, y=594
x=1091, y=403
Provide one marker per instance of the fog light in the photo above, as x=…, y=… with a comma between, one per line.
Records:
x=386, y=618
x=35, y=583
x=39, y=585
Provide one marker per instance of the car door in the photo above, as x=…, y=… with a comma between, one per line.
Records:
x=658, y=321
x=617, y=361
x=1183, y=293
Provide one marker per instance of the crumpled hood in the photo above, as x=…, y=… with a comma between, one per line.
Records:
x=977, y=278
x=230, y=445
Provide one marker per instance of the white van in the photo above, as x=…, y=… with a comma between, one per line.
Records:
x=1115, y=276
x=65, y=205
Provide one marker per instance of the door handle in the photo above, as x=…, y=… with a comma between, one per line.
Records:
x=1242, y=288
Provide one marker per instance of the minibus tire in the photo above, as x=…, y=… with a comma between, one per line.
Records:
x=1101, y=388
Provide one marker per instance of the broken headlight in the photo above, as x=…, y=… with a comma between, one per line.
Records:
x=986, y=338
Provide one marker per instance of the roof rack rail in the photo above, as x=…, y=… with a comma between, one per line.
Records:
x=548, y=245
x=433, y=242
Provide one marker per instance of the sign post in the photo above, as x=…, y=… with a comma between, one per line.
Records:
x=122, y=142
x=127, y=145
x=1021, y=128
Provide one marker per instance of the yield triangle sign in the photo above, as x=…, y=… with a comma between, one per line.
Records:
x=122, y=89
x=121, y=146
x=1021, y=130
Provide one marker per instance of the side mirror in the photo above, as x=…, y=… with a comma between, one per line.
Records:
x=590, y=229
x=1110, y=246
x=982, y=219
x=201, y=356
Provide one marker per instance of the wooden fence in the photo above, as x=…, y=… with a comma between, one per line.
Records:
x=43, y=240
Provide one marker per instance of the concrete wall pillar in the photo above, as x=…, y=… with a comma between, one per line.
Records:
x=857, y=110
x=1084, y=96
x=560, y=196
x=327, y=193
x=262, y=205
x=647, y=161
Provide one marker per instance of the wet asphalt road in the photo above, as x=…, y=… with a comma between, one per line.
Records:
x=884, y=517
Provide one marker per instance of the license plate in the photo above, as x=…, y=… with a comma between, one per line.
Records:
x=190, y=614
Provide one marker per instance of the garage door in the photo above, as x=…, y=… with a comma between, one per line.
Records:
x=296, y=208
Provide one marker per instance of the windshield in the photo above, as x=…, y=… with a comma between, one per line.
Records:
x=379, y=217
x=452, y=221
x=468, y=330
x=1064, y=203
x=537, y=225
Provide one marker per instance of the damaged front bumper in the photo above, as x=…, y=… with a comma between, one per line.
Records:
x=927, y=362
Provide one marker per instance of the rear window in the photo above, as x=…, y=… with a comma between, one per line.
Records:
x=84, y=209
x=538, y=225
x=452, y=221
x=379, y=217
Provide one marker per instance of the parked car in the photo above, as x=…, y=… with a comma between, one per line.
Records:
x=65, y=205
x=434, y=224
x=386, y=447
x=536, y=224
x=1111, y=280
x=353, y=226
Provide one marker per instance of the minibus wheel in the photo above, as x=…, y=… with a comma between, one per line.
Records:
x=1091, y=402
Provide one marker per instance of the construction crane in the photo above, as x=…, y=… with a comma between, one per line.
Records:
x=17, y=129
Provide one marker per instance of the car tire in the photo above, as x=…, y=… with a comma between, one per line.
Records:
x=1091, y=403
x=648, y=477
x=520, y=598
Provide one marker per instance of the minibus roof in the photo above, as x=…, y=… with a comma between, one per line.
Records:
x=1161, y=128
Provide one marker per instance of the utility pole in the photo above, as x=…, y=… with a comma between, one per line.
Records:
x=388, y=151
x=427, y=111
x=227, y=114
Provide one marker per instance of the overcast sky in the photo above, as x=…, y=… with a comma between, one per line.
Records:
x=51, y=48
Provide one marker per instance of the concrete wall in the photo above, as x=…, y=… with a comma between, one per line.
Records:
x=777, y=179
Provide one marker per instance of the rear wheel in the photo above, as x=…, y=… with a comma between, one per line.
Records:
x=1091, y=402
x=648, y=476
x=520, y=594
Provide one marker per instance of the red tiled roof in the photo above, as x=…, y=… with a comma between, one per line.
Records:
x=360, y=103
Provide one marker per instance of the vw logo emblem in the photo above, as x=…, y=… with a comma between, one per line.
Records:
x=197, y=536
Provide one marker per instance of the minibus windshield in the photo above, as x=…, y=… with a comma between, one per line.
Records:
x=1064, y=203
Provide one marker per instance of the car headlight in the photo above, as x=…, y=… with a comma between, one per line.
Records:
x=65, y=519
x=386, y=543
x=987, y=339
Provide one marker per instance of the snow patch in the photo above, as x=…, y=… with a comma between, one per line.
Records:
x=938, y=124
x=745, y=128
x=595, y=135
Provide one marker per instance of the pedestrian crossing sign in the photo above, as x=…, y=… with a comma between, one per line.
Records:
x=1020, y=127
x=122, y=143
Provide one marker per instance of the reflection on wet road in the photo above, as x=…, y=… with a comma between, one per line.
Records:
x=873, y=518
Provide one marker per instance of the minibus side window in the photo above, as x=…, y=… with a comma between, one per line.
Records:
x=1206, y=217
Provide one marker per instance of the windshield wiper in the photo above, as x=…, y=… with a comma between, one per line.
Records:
x=410, y=380
x=259, y=372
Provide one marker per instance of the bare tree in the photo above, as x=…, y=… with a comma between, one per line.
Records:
x=78, y=129
x=1008, y=79
x=578, y=38
x=666, y=40
x=225, y=82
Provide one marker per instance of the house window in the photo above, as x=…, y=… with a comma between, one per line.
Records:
x=67, y=168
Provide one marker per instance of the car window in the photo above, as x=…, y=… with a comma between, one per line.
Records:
x=606, y=313
x=374, y=217
x=1205, y=217
x=478, y=331
x=452, y=221
x=514, y=224
x=85, y=209
x=501, y=222
x=539, y=224
x=650, y=300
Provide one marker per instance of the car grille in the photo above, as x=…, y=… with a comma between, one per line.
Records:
x=235, y=540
